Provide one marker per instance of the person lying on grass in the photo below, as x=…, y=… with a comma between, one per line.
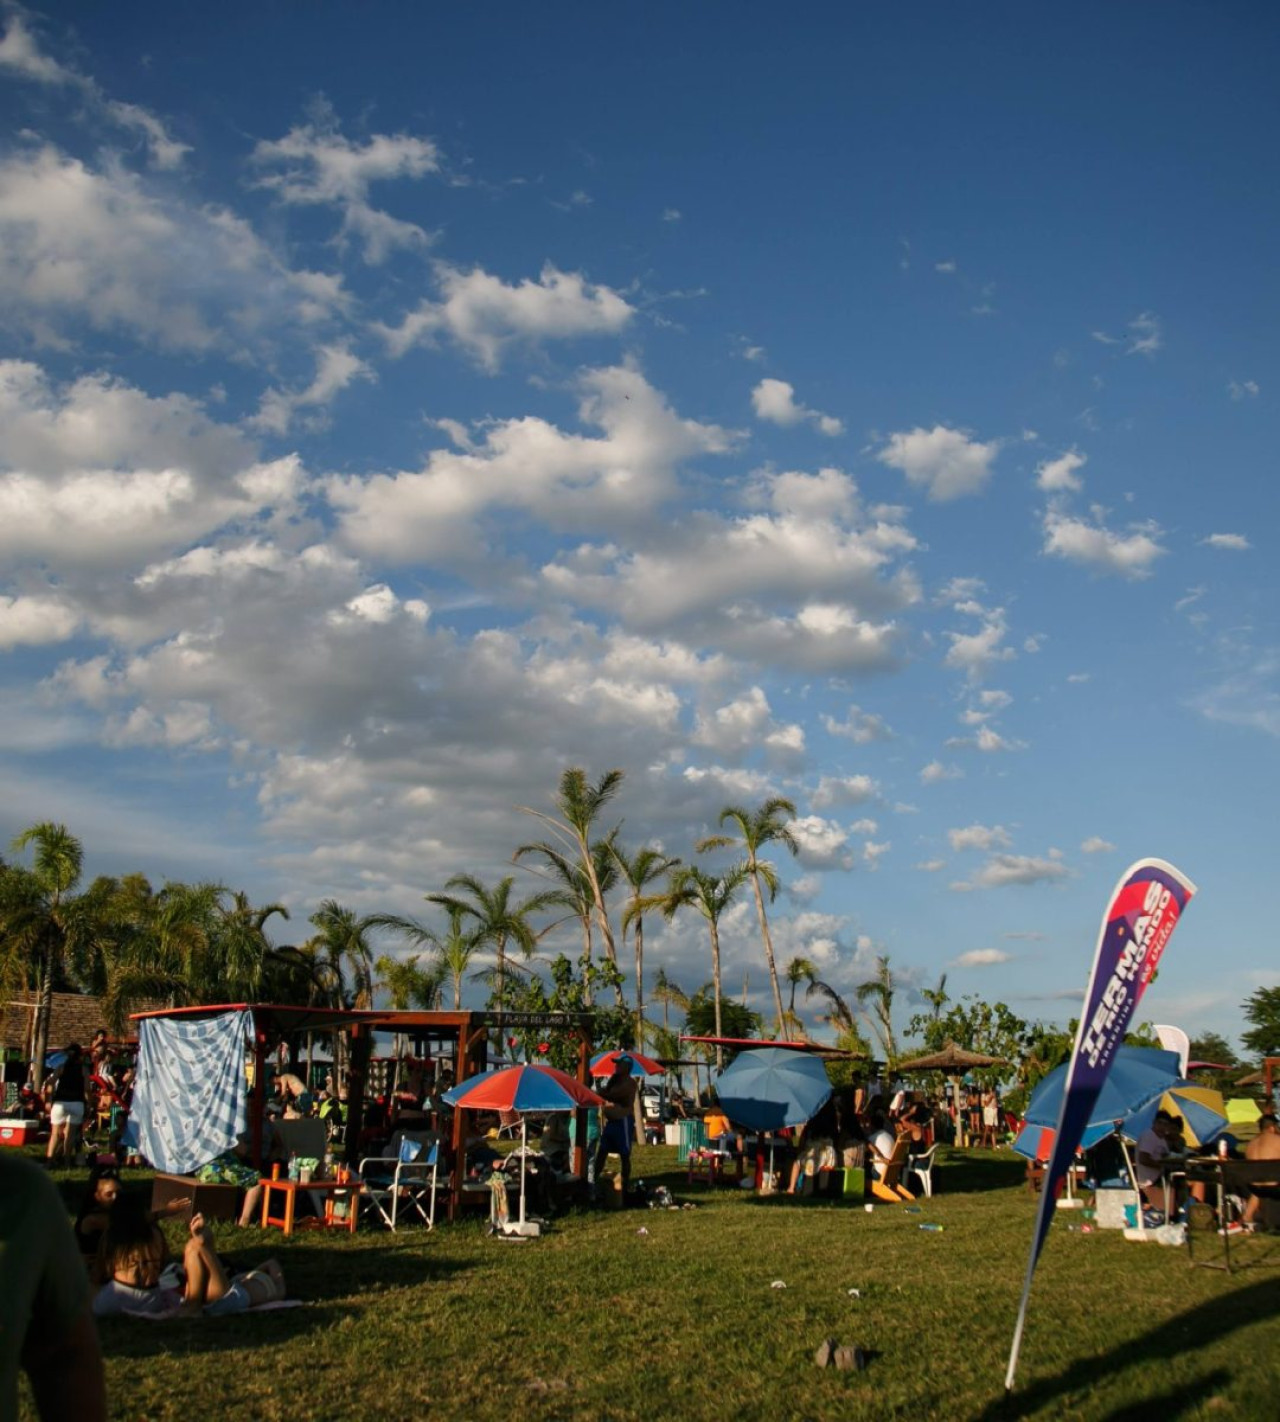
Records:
x=135, y=1275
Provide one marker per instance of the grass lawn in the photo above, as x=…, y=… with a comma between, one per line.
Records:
x=651, y=1315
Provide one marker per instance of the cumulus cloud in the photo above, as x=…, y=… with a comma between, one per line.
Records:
x=823, y=843
x=858, y=726
x=1003, y=870
x=774, y=400
x=21, y=55
x=336, y=368
x=486, y=315
x=35, y=621
x=746, y=725
x=1243, y=389
x=1129, y=555
x=987, y=740
x=982, y=958
x=935, y=772
x=1230, y=542
x=975, y=653
x=981, y=837
x=945, y=462
x=1056, y=476
x=1096, y=845
x=844, y=790
x=931, y=866
x=315, y=164
x=104, y=248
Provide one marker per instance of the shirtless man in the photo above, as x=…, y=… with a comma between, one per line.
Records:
x=619, y=1093
x=1264, y=1146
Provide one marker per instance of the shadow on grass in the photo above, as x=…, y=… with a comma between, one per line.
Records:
x=1176, y=1337
x=971, y=1174
x=1176, y=1402
x=326, y=1282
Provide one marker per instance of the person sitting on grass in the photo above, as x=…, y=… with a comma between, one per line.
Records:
x=101, y=1194
x=135, y=1276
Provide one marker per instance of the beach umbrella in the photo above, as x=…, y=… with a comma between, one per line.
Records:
x=1203, y=1112
x=771, y=1087
x=1138, y=1078
x=953, y=1062
x=528, y=1087
x=605, y=1063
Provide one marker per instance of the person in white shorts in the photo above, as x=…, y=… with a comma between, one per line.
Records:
x=66, y=1106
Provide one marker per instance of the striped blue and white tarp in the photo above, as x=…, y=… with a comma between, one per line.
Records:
x=189, y=1104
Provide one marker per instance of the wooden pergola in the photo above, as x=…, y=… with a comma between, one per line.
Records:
x=462, y=1036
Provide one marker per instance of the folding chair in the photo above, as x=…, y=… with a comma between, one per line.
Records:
x=411, y=1182
x=508, y=1124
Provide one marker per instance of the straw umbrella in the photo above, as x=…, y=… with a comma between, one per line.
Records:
x=953, y=1061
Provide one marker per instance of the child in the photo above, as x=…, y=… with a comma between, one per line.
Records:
x=135, y=1276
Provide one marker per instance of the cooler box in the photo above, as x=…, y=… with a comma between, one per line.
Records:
x=671, y=1133
x=1109, y=1207
x=18, y=1133
x=693, y=1134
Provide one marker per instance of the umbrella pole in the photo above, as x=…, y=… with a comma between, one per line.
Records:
x=524, y=1157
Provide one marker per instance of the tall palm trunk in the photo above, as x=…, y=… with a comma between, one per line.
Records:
x=715, y=982
x=640, y=982
x=44, y=1013
x=768, y=951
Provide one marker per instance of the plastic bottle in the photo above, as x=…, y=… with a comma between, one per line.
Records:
x=932, y=1228
x=294, y=1168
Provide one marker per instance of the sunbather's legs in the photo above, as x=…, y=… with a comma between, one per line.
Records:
x=206, y=1278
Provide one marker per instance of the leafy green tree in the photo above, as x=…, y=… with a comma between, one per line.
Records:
x=1262, y=1012
x=1213, y=1047
x=708, y=1017
x=47, y=930
x=711, y=894
x=756, y=829
x=570, y=992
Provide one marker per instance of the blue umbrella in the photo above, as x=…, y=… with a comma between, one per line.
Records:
x=1131, y=1094
x=770, y=1087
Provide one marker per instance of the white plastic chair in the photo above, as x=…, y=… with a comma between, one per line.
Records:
x=922, y=1165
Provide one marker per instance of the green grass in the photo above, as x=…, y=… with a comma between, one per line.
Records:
x=598, y=1320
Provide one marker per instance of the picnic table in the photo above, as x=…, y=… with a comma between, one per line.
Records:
x=1227, y=1177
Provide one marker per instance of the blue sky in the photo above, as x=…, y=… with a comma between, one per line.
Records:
x=876, y=409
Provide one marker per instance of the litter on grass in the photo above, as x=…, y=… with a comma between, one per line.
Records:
x=778, y=1284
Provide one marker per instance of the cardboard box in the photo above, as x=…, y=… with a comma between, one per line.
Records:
x=1109, y=1207
x=19, y=1133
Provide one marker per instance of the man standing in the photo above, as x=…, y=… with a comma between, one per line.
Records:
x=619, y=1093
x=1264, y=1146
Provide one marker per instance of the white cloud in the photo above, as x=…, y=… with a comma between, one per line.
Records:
x=35, y=621
x=774, y=400
x=1079, y=678
x=946, y=462
x=1130, y=555
x=1243, y=389
x=931, y=866
x=315, y=164
x=336, y=368
x=823, y=843
x=104, y=248
x=987, y=740
x=935, y=772
x=1231, y=542
x=745, y=725
x=975, y=653
x=982, y=958
x=485, y=315
x=1056, y=476
x=946, y=267
x=861, y=727
x=1096, y=845
x=872, y=853
x=845, y=790
x=22, y=56
x=981, y=837
x=1004, y=870
x=1145, y=335
x=671, y=214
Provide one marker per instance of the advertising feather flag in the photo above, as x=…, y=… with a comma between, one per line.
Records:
x=1139, y=921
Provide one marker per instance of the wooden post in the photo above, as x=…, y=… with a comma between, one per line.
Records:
x=357, y=1066
x=259, y=1093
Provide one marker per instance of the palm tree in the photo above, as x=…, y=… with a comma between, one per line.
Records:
x=639, y=870
x=878, y=991
x=44, y=923
x=498, y=921
x=670, y=994
x=841, y=1017
x=579, y=803
x=344, y=966
x=690, y=886
x=577, y=888
x=766, y=825
x=799, y=970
